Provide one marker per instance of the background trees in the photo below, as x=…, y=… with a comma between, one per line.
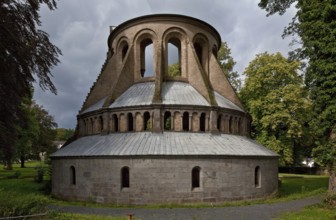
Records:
x=274, y=95
x=25, y=53
x=315, y=24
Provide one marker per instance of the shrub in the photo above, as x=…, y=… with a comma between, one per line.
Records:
x=40, y=173
x=16, y=204
x=330, y=200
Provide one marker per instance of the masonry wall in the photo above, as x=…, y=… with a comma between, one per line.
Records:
x=163, y=180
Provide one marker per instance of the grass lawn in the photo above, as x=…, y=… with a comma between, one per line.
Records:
x=18, y=189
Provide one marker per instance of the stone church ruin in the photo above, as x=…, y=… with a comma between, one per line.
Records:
x=147, y=136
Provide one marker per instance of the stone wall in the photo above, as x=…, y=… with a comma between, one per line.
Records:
x=163, y=180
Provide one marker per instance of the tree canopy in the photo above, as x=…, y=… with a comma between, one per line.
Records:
x=315, y=25
x=227, y=63
x=275, y=97
x=26, y=54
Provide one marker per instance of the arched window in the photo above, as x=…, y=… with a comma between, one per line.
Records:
x=72, y=175
x=219, y=122
x=199, y=52
x=195, y=177
x=147, y=122
x=92, y=126
x=202, y=122
x=130, y=121
x=125, y=178
x=115, y=123
x=167, y=121
x=174, y=57
x=230, y=124
x=101, y=123
x=185, y=122
x=257, y=177
x=215, y=51
x=124, y=51
x=147, y=61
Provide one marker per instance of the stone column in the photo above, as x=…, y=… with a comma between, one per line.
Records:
x=156, y=120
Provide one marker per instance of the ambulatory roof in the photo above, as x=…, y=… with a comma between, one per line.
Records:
x=164, y=144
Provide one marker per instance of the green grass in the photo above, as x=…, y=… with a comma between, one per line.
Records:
x=317, y=212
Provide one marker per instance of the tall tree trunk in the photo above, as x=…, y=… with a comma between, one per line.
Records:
x=22, y=161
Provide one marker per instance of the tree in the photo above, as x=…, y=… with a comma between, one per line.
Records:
x=315, y=25
x=26, y=54
x=63, y=134
x=174, y=70
x=275, y=97
x=28, y=131
x=227, y=63
x=47, y=134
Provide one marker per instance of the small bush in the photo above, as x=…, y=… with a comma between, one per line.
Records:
x=16, y=204
x=15, y=175
x=330, y=200
x=40, y=173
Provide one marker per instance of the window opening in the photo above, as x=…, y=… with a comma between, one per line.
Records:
x=115, y=123
x=101, y=123
x=185, y=126
x=167, y=121
x=195, y=177
x=124, y=52
x=147, y=61
x=147, y=122
x=199, y=52
x=174, y=57
x=125, y=180
x=202, y=122
x=219, y=122
x=72, y=175
x=257, y=177
x=130, y=122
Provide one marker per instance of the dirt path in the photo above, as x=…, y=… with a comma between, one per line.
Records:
x=251, y=212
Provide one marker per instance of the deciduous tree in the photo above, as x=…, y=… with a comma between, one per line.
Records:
x=26, y=54
x=315, y=25
x=275, y=97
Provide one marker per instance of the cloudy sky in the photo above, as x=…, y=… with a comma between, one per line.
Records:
x=80, y=29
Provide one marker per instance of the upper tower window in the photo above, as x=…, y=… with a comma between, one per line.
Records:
x=146, y=57
x=201, y=47
x=174, y=57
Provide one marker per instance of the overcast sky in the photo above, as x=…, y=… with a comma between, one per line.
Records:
x=80, y=29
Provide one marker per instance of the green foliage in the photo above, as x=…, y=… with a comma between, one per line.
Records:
x=17, y=204
x=315, y=24
x=26, y=54
x=39, y=174
x=167, y=125
x=275, y=97
x=174, y=70
x=227, y=63
x=63, y=134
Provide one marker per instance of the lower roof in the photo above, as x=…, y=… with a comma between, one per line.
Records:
x=164, y=144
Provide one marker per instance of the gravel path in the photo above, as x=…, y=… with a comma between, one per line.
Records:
x=251, y=212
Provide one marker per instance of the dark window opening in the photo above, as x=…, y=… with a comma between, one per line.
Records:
x=167, y=121
x=202, y=122
x=199, y=52
x=230, y=125
x=257, y=177
x=147, y=122
x=72, y=175
x=125, y=179
x=115, y=123
x=130, y=122
x=101, y=123
x=185, y=126
x=124, y=52
x=195, y=177
x=219, y=122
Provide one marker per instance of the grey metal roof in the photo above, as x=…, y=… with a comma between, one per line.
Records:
x=166, y=143
x=95, y=106
x=138, y=94
x=173, y=93
x=225, y=103
x=179, y=93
